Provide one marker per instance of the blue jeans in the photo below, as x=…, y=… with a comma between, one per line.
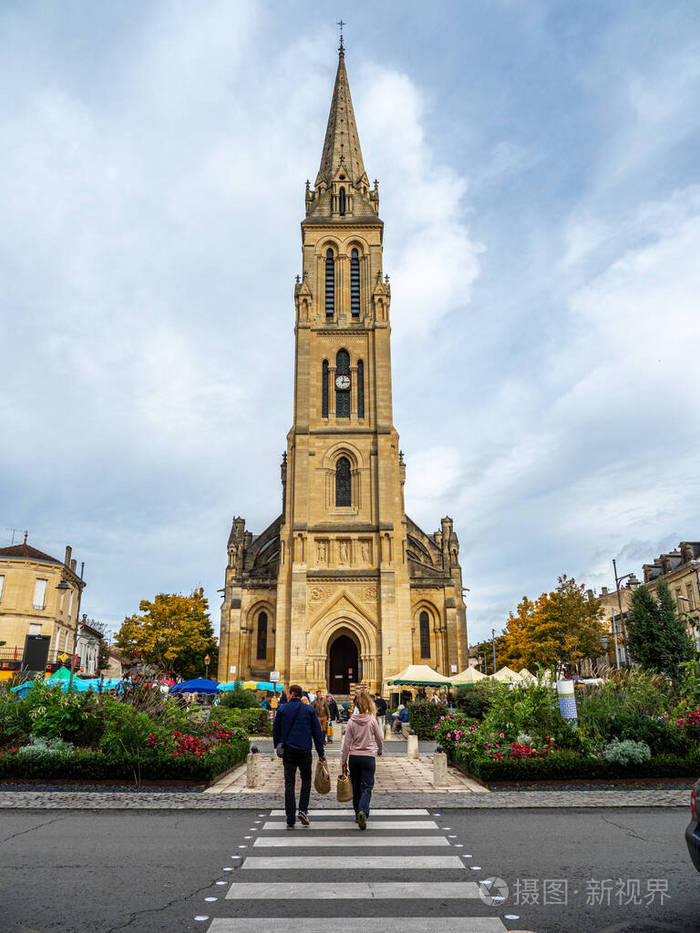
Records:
x=361, y=769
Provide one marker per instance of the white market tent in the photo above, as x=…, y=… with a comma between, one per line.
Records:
x=526, y=675
x=506, y=676
x=419, y=675
x=470, y=676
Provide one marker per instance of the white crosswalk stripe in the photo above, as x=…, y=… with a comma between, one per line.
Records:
x=281, y=890
x=375, y=876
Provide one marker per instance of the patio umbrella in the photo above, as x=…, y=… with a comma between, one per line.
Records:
x=198, y=685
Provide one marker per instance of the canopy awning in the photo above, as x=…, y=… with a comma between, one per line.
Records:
x=419, y=675
x=470, y=676
x=198, y=685
x=506, y=676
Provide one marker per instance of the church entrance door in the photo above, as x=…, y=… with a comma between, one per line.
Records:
x=343, y=667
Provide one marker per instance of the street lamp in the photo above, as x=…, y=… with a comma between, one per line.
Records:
x=63, y=586
x=207, y=660
x=633, y=581
x=493, y=643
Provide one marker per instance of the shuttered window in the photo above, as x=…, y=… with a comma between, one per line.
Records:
x=355, y=283
x=324, y=390
x=39, y=600
x=341, y=201
x=330, y=283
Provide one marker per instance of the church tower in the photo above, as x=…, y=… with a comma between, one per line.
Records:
x=343, y=587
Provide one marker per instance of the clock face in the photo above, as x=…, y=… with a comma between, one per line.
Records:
x=342, y=382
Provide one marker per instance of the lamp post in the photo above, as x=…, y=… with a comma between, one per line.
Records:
x=618, y=580
x=493, y=644
x=604, y=645
x=63, y=586
x=207, y=661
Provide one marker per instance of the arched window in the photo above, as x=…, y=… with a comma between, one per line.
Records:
x=360, y=389
x=330, y=283
x=261, y=653
x=324, y=390
x=424, y=635
x=342, y=482
x=341, y=201
x=355, y=283
x=342, y=395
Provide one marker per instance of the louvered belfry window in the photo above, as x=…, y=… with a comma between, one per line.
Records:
x=424, y=635
x=324, y=390
x=355, y=283
x=262, y=636
x=342, y=396
x=360, y=389
x=330, y=283
x=342, y=482
x=341, y=201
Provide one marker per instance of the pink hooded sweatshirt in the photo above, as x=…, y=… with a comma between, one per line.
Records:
x=361, y=733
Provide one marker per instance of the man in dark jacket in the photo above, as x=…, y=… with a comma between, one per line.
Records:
x=297, y=727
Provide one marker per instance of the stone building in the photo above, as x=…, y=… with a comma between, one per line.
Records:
x=343, y=586
x=680, y=569
x=31, y=604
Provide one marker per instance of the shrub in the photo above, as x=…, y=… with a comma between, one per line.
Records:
x=239, y=699
x=423, y=715
x=627, y=752
x=474, y=700
x=41, y=748
x=15, y=723
x=254, y=721
x=126, y=729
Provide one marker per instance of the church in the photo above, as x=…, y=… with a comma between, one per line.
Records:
x=343, y=587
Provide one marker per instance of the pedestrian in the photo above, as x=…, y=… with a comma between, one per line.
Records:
x=296, y=728
x=283, y=697
x=358, y=755
x=332, y=706
x=380, y=703
x=323, y=712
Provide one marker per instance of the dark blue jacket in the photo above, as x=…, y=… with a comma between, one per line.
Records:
x=306, y=727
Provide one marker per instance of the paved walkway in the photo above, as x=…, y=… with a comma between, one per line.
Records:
x=407, y=873
x=395, y=774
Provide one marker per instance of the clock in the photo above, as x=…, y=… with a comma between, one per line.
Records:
x=342, y=382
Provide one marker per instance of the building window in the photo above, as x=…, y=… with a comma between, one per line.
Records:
x=330, y=283
x=424, y=623
x=342, y=396
x=355, y=283
x=360, y=389
x=341, y=201
x=262, y=637
x=2, y=584
x=70, y=603
x=39, y=601
x=342, y=483
x=324, y=390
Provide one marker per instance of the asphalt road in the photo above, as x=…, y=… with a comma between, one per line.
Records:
x=108, y=871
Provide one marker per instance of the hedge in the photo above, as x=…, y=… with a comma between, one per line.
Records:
x=254, y=721
x=569, y=765
x=93, y=765
x=423, y=716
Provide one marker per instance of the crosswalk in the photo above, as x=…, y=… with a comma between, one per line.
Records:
x=405, y=873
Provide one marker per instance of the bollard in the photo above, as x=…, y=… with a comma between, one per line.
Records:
x=567, y=701
x=387, y=733
x=439, y=769
x=252, y=769
x=411, y=745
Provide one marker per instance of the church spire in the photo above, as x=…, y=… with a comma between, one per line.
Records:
x=342, y=143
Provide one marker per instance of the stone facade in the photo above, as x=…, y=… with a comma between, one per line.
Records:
x=31, y=604
x=342, y=587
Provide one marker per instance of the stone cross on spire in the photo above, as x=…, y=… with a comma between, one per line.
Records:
x=342, y=143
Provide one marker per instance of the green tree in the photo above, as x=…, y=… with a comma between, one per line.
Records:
x=657, y=637
x=173, y=633
x=560, y=628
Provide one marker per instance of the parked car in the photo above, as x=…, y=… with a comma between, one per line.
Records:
x=692, y=832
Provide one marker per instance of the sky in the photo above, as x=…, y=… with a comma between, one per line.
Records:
x=540, y=188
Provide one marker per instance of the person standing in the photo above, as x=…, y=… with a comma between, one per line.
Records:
x=358, y=754
x=380, y=703
x=323, y=712
x=297, y=728
x=332, y=706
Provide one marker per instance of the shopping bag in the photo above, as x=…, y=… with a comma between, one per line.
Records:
x=344, y=788
x=322, y=779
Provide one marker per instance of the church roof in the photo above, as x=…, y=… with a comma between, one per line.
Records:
x=342, y=143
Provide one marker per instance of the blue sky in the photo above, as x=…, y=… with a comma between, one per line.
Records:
x=540, y=186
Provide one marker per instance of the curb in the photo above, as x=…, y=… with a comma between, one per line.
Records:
x=497, y=800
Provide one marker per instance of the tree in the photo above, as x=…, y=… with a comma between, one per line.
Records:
x=173, y=633
x=657, y=637
x=560, y=628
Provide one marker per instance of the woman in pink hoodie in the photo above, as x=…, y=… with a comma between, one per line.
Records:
x=361, y=735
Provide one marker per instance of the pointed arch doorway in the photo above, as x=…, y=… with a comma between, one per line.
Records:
x=343, y=663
